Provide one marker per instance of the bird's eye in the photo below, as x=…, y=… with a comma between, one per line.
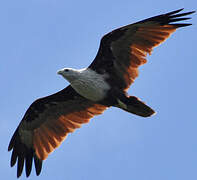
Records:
x=66, y=70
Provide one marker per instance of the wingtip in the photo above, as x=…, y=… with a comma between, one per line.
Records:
x=174, y=12
x=38, y=165
x=12, y=141
x=175, y=16
x=179, y=10
x=9, y=147
x=191, y=12
x=182, y=25
x=18, y=175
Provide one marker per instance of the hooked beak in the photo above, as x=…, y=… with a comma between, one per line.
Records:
x=60, y=72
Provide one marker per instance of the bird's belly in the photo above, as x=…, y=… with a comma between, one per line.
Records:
x=94, y=89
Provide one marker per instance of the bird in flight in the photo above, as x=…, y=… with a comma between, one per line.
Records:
x=92, y=90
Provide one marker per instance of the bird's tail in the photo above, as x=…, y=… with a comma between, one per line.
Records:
x=134, y=105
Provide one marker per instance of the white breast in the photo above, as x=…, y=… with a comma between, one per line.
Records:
x=91, y=85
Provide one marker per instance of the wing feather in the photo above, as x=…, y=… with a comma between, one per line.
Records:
x=46, y=124
x=123, y=50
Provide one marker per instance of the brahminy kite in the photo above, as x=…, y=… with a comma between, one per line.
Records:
x=92, y=90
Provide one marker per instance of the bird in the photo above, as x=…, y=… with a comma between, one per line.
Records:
x=103, y=84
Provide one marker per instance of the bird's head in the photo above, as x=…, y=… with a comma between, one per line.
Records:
x=69, y=74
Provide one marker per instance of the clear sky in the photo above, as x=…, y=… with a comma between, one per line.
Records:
x=39, y=37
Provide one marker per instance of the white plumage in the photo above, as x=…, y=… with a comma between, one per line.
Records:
x=87, y=82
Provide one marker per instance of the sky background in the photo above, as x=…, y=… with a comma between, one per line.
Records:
x=39, y=37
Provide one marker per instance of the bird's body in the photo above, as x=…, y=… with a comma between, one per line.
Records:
x=95, y=87
x=92, y=90
x=87, y=83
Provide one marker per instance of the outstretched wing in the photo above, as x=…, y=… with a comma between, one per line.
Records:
x=46, y=124
x=123, y=50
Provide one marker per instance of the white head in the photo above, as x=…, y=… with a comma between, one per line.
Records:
x=70, y=74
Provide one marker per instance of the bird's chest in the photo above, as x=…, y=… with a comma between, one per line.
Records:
x=93, y=87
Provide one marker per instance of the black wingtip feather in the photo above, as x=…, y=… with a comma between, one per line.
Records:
x=38, y=165
x=22, y=154
x=174, y=12
x=170, y=17
x=12, y=141
x=20, y=165
x=179, y=19
x=28, y=164
x=182, y=25
x=182, y=14
x=13, y=158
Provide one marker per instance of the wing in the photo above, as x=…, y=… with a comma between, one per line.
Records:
x=46, y=124
x=123, y=50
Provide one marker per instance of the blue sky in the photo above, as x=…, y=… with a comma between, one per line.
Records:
x=39, y=37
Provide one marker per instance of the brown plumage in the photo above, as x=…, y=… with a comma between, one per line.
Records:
x=126, y=48
x=49, y=120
